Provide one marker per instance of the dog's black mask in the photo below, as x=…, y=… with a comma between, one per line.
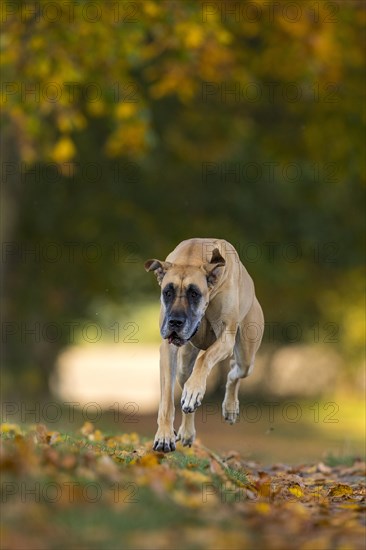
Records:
x=183, y=313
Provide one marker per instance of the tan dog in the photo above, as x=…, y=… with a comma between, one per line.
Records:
x=209, y=312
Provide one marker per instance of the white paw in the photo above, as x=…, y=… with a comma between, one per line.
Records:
x=186, y=437
x=230, y=411
x=191, y=397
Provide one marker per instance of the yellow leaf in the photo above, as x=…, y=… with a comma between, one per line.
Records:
x=296, y=491
x=98, y=436
x=122, y=455
x=128, y=439
x=262, y=507
x=351, y=506
x=126, y=110
x=10, y=428
x=194, y=36
x=87, y=428
x=194, y=477
x=340, y=490
x=148, y=460
x=151, y=8
x=224, y=37
x=64, y=150
x=96, y=108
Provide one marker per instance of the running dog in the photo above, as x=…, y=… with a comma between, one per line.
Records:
x=209, y=313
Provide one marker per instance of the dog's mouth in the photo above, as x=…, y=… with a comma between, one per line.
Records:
x=173, y=338
x=177, y=340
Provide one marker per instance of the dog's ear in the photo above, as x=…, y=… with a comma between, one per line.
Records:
x=214, y=268
x=158, y=267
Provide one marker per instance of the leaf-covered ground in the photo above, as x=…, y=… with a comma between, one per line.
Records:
x=93, y=491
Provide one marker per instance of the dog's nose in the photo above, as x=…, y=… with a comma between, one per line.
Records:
x=176, y=322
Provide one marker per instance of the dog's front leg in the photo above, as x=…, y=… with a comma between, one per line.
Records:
x=165, y=436
x=195, y=387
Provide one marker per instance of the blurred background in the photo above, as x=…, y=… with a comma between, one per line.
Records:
x=130, y=126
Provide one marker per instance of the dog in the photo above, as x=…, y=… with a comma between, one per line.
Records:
x=209, y=313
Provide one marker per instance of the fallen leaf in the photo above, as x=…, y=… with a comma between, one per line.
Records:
x=322, y=468
x=262, y=507
x=296, y=491
x=340, y=490
x=87, y=429
x=148, y=460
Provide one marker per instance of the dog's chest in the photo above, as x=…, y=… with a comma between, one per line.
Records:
x=205, y=336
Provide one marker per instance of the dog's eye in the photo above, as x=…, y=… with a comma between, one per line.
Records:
x=168, y=294
x=195, y=295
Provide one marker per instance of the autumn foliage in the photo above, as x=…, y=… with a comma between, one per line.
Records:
x=139, y=124
x=109, y=491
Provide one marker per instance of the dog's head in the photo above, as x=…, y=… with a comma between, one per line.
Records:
x=185, y=295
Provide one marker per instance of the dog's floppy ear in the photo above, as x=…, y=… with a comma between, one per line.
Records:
x=214, y=267
x=158, y=267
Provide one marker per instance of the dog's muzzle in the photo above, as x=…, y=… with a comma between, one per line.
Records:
x=178, y=340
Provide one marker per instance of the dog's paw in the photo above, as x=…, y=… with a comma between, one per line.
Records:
x=164, y=441
x=186, y=437
x=230, y=411
x=191, y=397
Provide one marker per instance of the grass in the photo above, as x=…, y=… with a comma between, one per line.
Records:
x=183, y=461
x=346, y=460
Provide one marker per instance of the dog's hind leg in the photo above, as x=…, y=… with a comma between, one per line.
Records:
x=247, y=342
x=230, y=405
x=186, y=358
